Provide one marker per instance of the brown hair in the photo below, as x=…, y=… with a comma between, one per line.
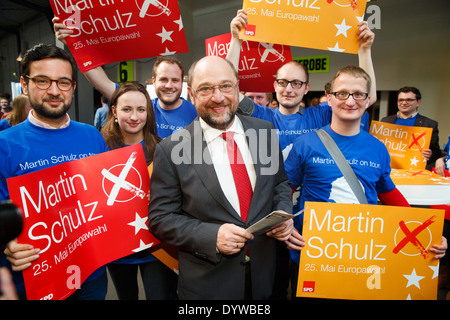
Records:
x=169, y=60
x=18, y=113
x=356, y=72
x=111, y=131
x=45, y=51
x=299, y=65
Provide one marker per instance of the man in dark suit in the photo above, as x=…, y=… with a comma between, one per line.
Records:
x=194, y=203
x=409, y=99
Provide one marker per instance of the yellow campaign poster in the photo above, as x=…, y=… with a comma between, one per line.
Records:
x=318, y=24
x=405, y=144
x=369, y=252
x=417, y=177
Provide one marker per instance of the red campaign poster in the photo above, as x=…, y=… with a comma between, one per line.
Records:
x=107, y=31
x=82, y=215
x=258, y=64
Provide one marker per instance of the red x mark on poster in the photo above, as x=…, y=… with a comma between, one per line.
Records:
x=411, y=236
x=415, y=140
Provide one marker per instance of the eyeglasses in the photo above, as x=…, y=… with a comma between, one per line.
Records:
x=406, y=100
x=44, y=83
x=344, y=95
x=295, y=84
x=207, y=91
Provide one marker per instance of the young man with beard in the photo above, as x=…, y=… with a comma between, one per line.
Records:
x=195, y=203
x=172, y=112
x=48, y=78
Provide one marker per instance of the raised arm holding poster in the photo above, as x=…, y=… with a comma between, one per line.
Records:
x=369, y=252
x=82, y=215
x=318, y=24
x=258, y=64
x=112, y=31
x=405, y=144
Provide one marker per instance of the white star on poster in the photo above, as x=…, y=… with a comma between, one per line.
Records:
x=413, y=279
x=165, y=35
x=179, y=22
x=435, y=271
x=360, y=19
x=414, y=161
x=167, y=52
x=342, y=28
x=336, y=48
x=139, y=223
x=142, y=246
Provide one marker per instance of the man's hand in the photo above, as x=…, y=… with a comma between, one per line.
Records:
x=238, y=23
x=440, y=249
x=365, y=35
x=61, y=31
x=283, y=231
x=295, y=241
x=231, y=238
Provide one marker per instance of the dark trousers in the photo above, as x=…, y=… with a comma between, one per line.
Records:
x=160, y=283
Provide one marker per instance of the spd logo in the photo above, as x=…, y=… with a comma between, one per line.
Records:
x=250, y=30
x=86, y=61
x=309, y=286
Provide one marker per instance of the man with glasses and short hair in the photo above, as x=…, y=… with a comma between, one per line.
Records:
x=310, y=164
x=290, y=119
x=48, y=78
x=291, y=85
x=408, y=102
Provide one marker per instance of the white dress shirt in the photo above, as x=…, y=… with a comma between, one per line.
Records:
x=219, y=156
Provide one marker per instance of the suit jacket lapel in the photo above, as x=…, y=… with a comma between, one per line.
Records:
x=254, y=149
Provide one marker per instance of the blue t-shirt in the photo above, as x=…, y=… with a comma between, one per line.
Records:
x=169, y=121
x=4, y=124
x=447, y=160
x=292, y=126
x=310, y=166
x=406, y=122
x=28, y=148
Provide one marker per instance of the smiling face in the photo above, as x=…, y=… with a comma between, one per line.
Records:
x=49, y=105
x=168, y=84
x=408, y=104
x=289, y=99
x=219, y=108
x=349, y=110
x=131, y=114
x=259, y=98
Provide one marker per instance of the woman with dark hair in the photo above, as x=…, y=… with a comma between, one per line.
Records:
x=130, y=121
